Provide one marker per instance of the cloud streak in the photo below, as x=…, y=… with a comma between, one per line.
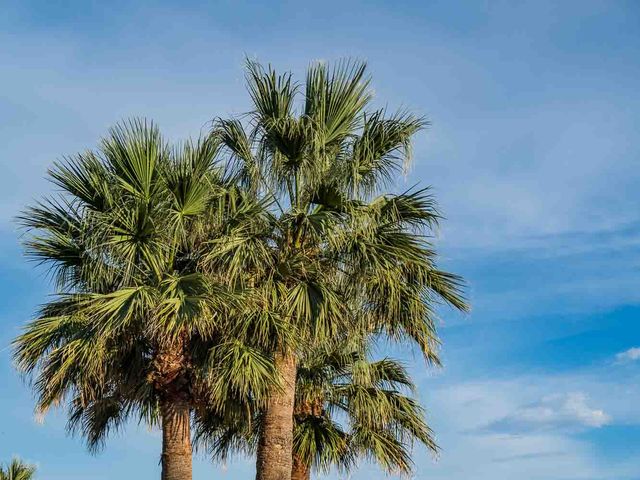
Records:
x=528, y=427
x=553, y=412
x=630, y=355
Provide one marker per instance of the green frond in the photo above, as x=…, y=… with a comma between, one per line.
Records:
x=75, y=362
x=242, y=161
x=381, y=447
x=136, y=152
x=386, y=374
x=58, y=323
x=17, y=470
x=55, y=238
x=272, y=93
x=317, y=310
x=382, y=150
x=322, y=443
x=335, y=98
x=340, y=382
x=264, y=328
x=112, y=313
x=448, y=287
x=237, y=370
x=192, y=303
x=189, y=178
x=408, y=422
x=231, y=427
x=414, y=209
x=86, y=178
x=97, y=419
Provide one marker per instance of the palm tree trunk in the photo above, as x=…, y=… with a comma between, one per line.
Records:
x=176, y=440
x=300, y=471
x=275, y=448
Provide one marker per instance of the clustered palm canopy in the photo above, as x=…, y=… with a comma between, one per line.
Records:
x=339, y=256
x=181, y=280
x=138, y=320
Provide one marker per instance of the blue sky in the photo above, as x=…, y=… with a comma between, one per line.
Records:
x=535, y=109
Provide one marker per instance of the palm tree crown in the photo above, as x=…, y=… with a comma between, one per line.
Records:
x=137, y=326
x=348, y=406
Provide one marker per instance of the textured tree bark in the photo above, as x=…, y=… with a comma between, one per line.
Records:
x=176, y=440
x=300, y=471
x=275, y=447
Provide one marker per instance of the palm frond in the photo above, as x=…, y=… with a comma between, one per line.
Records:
x=335, y=98
x=322, y=443
x=17, y=470
x=135, y=151
x=272, y=93
x=382, y=150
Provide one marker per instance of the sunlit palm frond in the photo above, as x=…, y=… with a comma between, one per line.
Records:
x=335, y=98
x=272, y=93
x=237, y=370
x=135, y=151
x=17, y=470
x=86, y=178
x=381, y=151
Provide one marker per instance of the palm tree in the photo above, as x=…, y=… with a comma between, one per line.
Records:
x=341, y=257
x=137, y=327
x=17, y=470
x=346, y=407
x=381, y=421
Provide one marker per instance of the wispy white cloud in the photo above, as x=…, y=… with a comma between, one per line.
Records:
x=629, y=355
x=503, y=193
x=558, y=411
x=540, y=442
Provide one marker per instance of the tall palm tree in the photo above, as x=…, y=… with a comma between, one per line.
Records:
x=17, y=470
x=137, y=327
x=341, y=256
